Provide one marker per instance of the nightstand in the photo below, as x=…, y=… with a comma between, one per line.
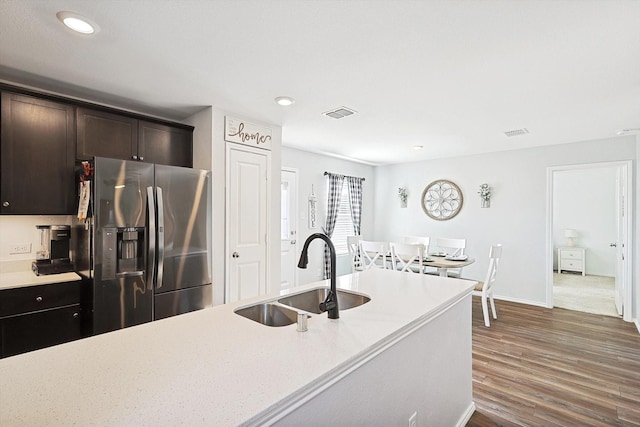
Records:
x=572, y=258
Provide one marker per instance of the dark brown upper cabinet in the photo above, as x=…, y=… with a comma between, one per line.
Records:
x=165, y=144
x=37, y=155
x=105, y=134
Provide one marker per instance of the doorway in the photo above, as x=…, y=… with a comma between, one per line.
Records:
x=588, y=238
x=288, y=227
x=247, y=213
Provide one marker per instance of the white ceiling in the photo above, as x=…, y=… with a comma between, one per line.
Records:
x=449, y=75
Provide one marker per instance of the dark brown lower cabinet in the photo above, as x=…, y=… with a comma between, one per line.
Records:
x=32, y=331
x=35, y=317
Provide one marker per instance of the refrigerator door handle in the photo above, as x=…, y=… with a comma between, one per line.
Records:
x=160, y=237
x=151, y=237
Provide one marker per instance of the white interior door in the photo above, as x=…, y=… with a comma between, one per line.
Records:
x=620, y=279
x=247, y=219
x=288, y=227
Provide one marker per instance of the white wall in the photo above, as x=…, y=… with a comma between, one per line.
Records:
x=202, y=137
x=218, y=168
x=209, y=152
x=311, y=168
x=21, y=229
x=636, y=245
x=516, y=218
x=585, y=200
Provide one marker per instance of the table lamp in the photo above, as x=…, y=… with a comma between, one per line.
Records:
x=570, y=235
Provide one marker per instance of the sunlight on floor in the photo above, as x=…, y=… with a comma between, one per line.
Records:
x=591, y=294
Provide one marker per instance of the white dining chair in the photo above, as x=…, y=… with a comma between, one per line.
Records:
x=452, y=247
x=485, y=289
x=353, y=246
x=412, y=240
x=373, y=254
x=407, y=257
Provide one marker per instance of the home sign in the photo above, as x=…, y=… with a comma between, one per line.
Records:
x=243, y=132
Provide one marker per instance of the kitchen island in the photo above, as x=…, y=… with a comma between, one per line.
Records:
x=406, y=351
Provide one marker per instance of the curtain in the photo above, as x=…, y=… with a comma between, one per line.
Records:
x=355, y=200
x=334, y=189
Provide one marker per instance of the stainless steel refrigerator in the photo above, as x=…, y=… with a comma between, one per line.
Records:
x=146, y=245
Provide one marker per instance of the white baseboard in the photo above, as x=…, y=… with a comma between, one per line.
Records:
x=464, y=419
x=520, y=301
x=637, y=322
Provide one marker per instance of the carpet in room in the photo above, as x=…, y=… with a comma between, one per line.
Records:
x=590, y=294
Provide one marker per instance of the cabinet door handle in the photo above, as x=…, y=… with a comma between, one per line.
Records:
x=5, y=204
x=76, y=315
x=613, y=245
x=235, y=255
x=134, y=157
x=39, y=299
x=141, y=158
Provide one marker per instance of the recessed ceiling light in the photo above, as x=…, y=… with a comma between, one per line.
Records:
x=418, y=147
x=285, y=101
x=77, y=22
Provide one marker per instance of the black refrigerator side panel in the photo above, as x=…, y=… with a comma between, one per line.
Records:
x=184, y=240
x=122, y=294
x=169, y=304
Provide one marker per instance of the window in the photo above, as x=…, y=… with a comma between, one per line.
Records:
x=344, y=224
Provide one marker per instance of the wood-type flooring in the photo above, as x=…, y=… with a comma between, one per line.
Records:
x=554, y=367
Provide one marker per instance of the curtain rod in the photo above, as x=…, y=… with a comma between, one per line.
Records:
x=327, y=173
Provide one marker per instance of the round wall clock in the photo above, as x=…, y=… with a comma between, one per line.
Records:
x=441, y=200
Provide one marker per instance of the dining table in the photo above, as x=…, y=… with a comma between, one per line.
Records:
x=443, y=264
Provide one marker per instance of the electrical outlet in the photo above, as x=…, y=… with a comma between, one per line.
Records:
x=23, y=248
x=413, y=420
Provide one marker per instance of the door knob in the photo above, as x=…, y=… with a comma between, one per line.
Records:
x=293, y=242
x=613, y=245
x=236, y=255
x=5, y=204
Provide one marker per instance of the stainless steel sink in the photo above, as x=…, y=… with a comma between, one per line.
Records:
x=311, y=299
x=269, y=314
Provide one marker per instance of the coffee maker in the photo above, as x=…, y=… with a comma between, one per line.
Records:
x=52, y=256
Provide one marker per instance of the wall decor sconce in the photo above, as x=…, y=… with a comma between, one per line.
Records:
x=402, y=193
x=313, y=204
x=485, y=196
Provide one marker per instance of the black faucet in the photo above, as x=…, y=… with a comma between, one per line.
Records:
x=330, y=304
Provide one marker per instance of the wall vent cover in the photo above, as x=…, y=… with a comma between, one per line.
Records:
x=517, y=132
x=339, y=113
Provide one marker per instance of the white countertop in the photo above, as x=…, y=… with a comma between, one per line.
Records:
x=211, y=367
x=16, y=274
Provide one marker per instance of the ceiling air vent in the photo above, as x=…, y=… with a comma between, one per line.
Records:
x=516, y=132
x=339, y=113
